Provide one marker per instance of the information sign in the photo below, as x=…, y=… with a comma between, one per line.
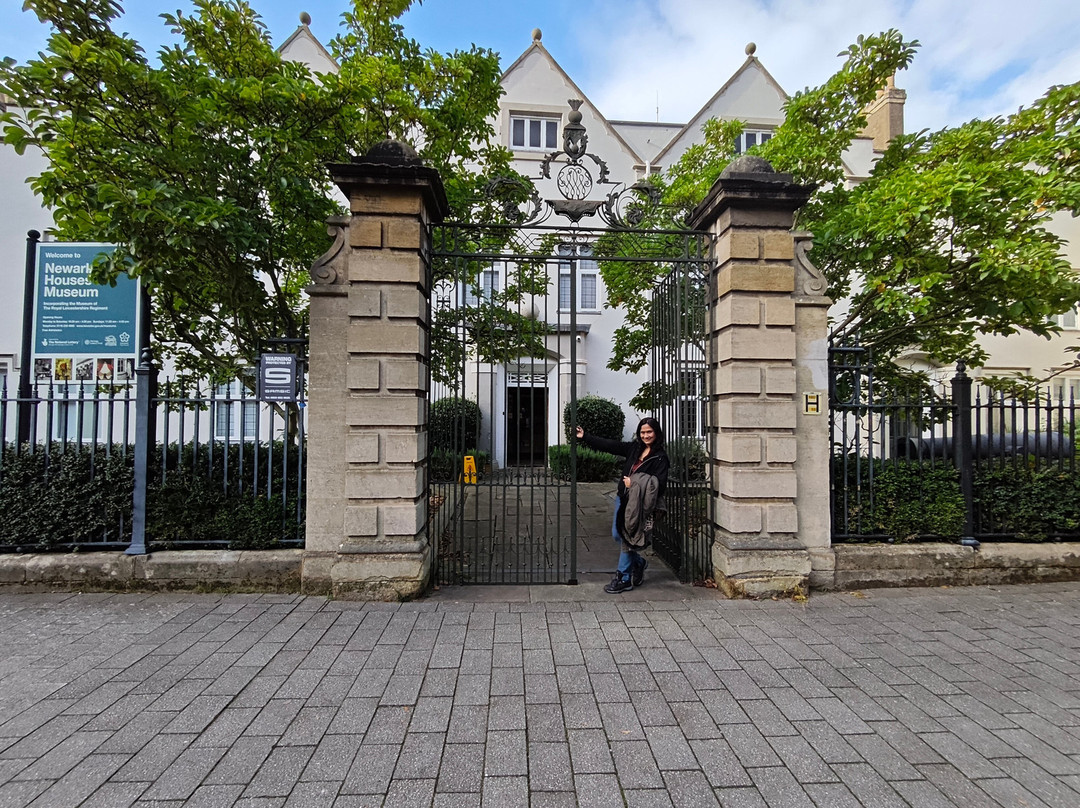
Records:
x=83, y=331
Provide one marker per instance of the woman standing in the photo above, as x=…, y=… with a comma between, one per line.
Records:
x=640, y=497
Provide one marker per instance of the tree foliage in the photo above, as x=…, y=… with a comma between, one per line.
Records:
x=207, y=164
x=946, y=240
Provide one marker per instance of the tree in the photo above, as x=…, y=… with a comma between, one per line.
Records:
x=945, y=241
x=208, y=167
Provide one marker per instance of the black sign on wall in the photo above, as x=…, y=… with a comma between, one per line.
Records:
x=277, y=377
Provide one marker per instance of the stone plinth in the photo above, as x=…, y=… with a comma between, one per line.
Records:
x=367, y=402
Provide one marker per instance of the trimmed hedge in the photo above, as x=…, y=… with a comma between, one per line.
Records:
x=447, y=466
x=49, y=500
x=592, y=466
x=597, y=416
x=1031, y=505
x=910, y=500
x=454, y=423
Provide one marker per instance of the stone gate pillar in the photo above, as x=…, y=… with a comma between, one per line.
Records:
x=769, y=387
x=367, y=401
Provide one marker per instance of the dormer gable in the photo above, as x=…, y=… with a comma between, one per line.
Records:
x=537, y=89
x=751, y=95
x=302, y=46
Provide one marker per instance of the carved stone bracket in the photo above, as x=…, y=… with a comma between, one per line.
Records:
x=329, y=268
x=808, y=278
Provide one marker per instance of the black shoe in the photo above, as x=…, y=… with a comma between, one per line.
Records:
x=618, y=585
x=637, y=574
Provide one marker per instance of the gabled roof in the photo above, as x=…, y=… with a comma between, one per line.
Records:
x=538, y=48
x=695, y=123
x=302, y=39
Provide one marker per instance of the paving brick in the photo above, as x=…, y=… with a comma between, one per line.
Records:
x=462, y=768
x=549, y=767
x=506, y=754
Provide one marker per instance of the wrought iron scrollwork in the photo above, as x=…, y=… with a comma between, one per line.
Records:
x=624, y=206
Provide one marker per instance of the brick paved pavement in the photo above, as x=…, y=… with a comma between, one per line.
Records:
x=942, y=697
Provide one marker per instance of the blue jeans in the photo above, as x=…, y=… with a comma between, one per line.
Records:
x=628, y=559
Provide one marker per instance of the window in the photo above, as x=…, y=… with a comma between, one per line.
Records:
x=228, y=408
x=580, y=263
x=1069, y=319
x=750, y=138
x=486, y=287
x=72, y=418
x=541, y=134
x=692, y=403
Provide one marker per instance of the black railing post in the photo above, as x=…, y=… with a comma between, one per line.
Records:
x=145, y=379
x=30, y=278
x=962, y=455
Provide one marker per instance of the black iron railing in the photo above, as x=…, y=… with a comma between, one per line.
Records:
x=118, y=467
x=949, y=464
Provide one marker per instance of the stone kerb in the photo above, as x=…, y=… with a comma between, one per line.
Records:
x=766, y=471
x=368, y=383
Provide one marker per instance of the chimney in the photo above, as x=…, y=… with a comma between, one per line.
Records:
x=885, y=115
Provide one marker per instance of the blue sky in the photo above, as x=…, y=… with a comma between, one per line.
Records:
x=643, y=59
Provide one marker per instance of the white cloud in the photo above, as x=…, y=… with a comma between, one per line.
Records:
x=976, y=58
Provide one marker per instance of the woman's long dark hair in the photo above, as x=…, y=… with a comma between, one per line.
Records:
x=658, y=444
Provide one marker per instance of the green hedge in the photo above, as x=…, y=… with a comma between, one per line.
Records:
x=1029, y=504
x=49, y=499
x=597, y=416
x=454, y=423
x=910, y=500
x=592, y=466
x=913, y=500
x=447, y=466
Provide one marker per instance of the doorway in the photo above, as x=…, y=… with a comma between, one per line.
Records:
x=526, y=426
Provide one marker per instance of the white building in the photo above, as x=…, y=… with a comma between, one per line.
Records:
x=533, y=112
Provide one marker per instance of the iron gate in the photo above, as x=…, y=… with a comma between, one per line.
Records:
x=679, y=385
x=505, y=342
x=504, y=361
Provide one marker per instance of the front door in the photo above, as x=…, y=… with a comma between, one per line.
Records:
x=526, y=426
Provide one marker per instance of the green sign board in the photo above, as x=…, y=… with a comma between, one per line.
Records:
x=83, y=331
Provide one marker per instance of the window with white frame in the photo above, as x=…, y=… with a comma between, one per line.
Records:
x=234, y=418
x=578, y=262
x=1067, y=389
x=73, y=416
x=487, y=284
x=692, y=402
x=1070, y=319
x=750, y=138
x=534, y=132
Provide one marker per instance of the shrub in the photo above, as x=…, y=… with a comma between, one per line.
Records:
x=49, y=499
x=597, y=416
x=447, y=466
x=592, y=466
x=454, y=423
x=1026, y=503
x=688, y=460
x=910, y=500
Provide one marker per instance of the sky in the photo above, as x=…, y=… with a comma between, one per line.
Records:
x=663, y=59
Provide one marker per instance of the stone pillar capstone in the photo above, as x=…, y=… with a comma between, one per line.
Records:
x=769, y=387
x=368, y=383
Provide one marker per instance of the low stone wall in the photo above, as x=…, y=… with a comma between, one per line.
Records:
x=879, y=565
x=856, y=567
x=190, y=570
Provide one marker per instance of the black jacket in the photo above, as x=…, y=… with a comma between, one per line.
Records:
x=656, y=463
